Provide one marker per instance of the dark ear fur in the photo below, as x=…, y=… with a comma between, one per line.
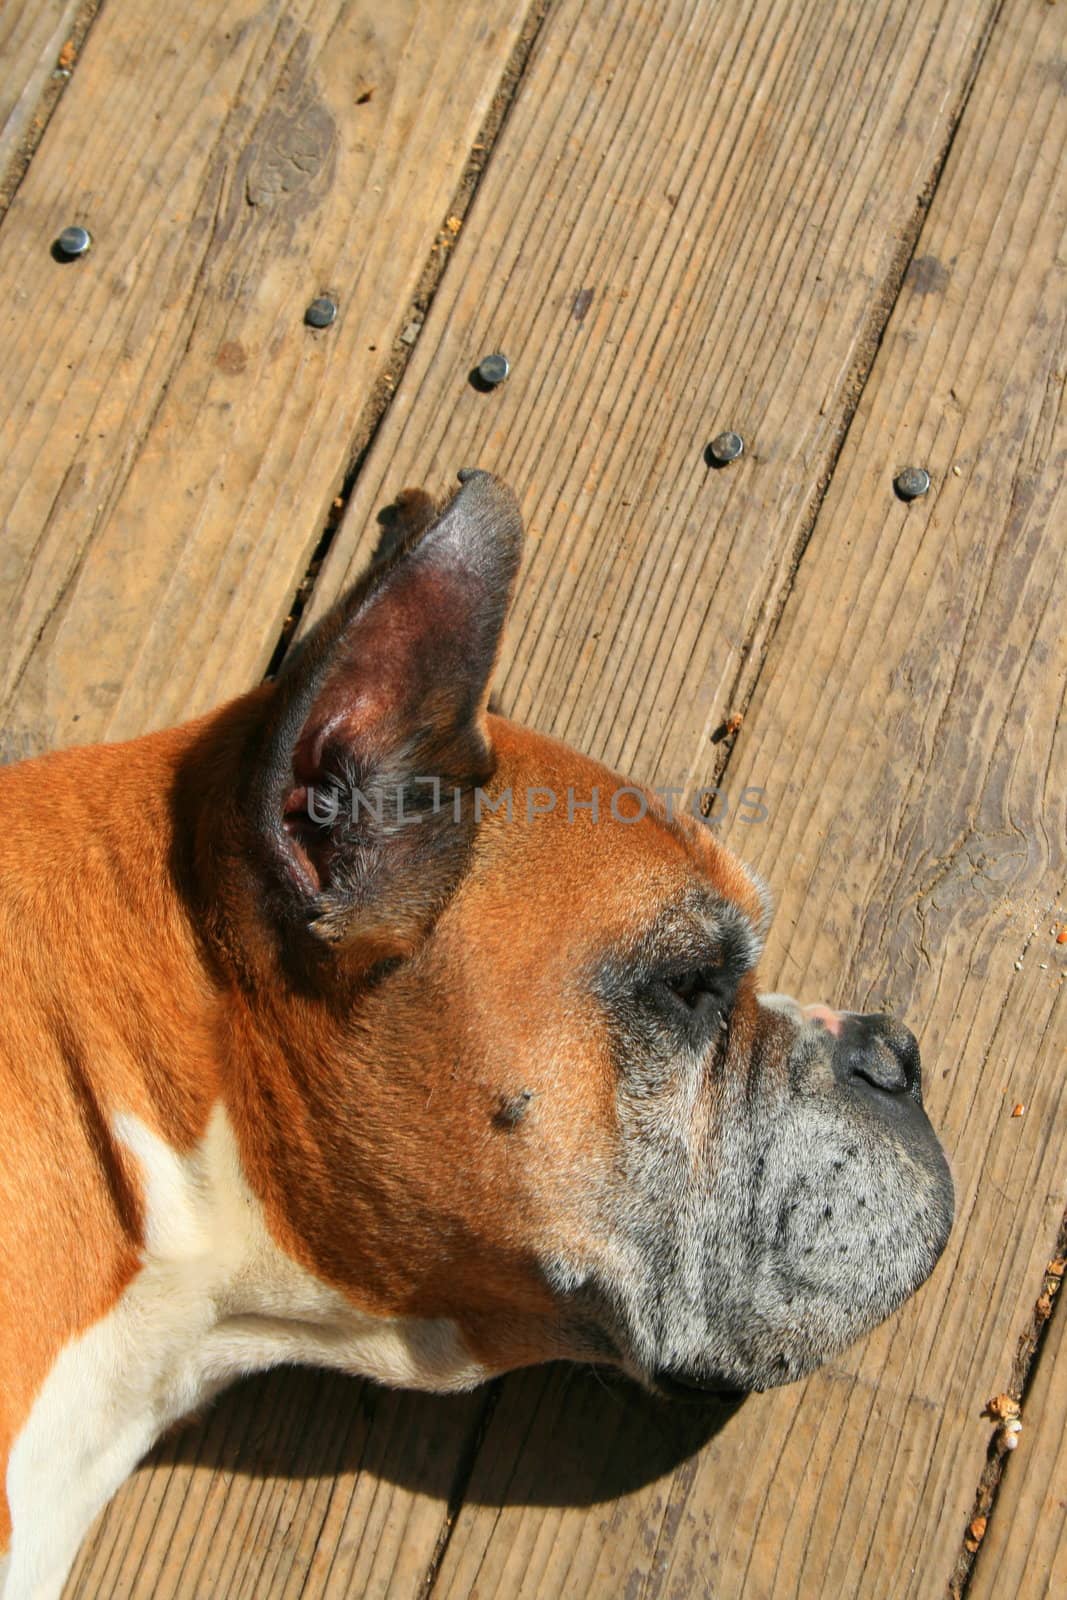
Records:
x=390, y=688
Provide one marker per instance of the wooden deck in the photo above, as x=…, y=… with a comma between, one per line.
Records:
x=840, y=229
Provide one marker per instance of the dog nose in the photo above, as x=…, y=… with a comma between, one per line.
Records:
x=878, y=1050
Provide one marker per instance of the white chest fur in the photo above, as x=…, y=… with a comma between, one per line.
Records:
x=215, y=1298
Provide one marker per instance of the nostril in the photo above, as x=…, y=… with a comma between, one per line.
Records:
x=880, y=1051
x=905, y=1047
x=877, y=1064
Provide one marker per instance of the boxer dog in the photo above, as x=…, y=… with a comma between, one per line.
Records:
x=353, y=1024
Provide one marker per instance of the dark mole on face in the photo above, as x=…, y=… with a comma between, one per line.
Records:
x=511, y=1110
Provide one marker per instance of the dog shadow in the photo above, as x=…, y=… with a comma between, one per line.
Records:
x=553, y=1436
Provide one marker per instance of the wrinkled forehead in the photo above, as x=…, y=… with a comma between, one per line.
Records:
x=570, y=853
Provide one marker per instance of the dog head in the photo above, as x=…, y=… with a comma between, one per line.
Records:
x=521, y=1074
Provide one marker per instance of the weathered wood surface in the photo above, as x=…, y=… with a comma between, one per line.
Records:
x=693, y=219
x=231, y=165
x=31, y=39
x=696, y=219
x=296, y=1484
x=1024, y=1552
x=908, y=726
x=905, y=724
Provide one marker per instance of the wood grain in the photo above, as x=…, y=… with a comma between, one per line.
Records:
x=907, y=725
x=295, y=1484
x=737, y=190
x=32, y=34
x=171, y=438
x=171, y=434
x=908, y=730
x=1024, y=1552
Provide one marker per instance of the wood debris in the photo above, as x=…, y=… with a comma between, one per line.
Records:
x=1002, y=1408
x=976, y=1533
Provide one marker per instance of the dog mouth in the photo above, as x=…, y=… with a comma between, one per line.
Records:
x=695, y=1387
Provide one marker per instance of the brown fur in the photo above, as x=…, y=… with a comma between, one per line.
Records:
x=107, y=1006
x=404, y=1024
x=119, y=1001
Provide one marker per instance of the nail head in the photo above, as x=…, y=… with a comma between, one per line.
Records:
x=321, y=312
x=493, y=369
x=724, y=448
x=73, y=242
x=911, y=483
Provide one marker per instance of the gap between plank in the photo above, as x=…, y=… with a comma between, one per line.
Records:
x=1032, y=1342
x=51, y=94
x=458, y=1493
x=753, y=655
x=1034, y=1338
x=761, y=634
x=381, y=397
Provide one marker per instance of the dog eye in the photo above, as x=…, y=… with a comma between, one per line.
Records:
x=696, y=997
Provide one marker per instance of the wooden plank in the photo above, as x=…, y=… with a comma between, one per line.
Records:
x=727, y=1470
x=1024, y=1553
x=550, y=1505
x=32, y=34
x=296, y=1484
x=919, y=760
x=230, y=166
x=915, y=766
x=169, y=428
x=695, y=220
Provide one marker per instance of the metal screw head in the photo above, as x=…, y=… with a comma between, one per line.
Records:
x=724, y=448
x=911, y=483
x=321, y=312
x=493, y=369
x=72, y=243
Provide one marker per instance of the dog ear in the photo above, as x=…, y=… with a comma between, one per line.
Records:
x=376, y=732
